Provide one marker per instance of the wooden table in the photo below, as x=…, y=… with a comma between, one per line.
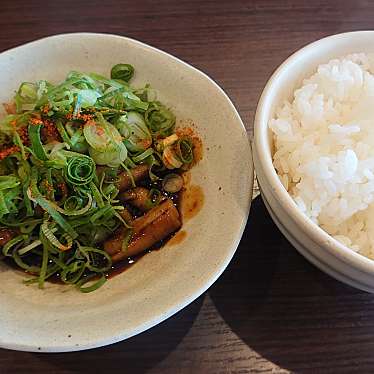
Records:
x=271, y=311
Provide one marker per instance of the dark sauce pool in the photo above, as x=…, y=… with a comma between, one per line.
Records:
x=126, y=264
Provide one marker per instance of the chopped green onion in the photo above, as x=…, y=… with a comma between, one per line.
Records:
x=29, y=247
x=154, y=198
x=46, y=205
x=71, y=206
x=96, y=194
x=8, y=246
x=160, y=120
x=36, y=143
x=142, y=156
x=50, y=236
x=97, y=260
x=17, y=141
x=105, y=211
x=172, y=183
x=123, y=72
x=126, y=240
x=23, y=265
x=80, y=170
x=62, y=131
x=43, y=269
x=3, y=205
x=73, y=272
x=133, y=128
x=8, y=181
x=122, y=220
x=129, y=174
x=94, y=286
x=184, y=150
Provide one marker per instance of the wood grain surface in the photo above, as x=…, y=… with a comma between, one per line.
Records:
x=271, y=311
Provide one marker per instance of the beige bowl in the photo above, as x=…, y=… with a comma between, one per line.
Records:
x=59, y=318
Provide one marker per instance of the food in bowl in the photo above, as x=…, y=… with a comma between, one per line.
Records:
x=324, y=149
x=91, y=170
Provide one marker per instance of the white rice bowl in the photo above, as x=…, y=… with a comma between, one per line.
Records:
x=324, y=149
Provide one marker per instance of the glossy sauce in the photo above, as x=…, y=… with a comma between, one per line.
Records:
x=192, y=200
x=127, y=263
x=124, y=265
x=6, y=235
x=177, y=238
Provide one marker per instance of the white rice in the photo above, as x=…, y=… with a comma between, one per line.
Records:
x=324, y=149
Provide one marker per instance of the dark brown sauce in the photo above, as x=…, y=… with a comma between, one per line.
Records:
x=129, y=262
x=6, y=235
x=11, y=263
x=55, y=278
x=124, y=265
x=177, y=238
x=192, y=200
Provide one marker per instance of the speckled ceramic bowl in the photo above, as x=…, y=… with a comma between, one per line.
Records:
x=59, y=318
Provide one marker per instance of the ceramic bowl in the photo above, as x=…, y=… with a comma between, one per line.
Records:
x=311, y=241
x=60, y=318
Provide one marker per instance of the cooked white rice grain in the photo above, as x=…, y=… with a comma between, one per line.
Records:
x=324, y=149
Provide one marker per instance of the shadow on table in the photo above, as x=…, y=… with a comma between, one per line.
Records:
x=287, y=310
x=136, y=355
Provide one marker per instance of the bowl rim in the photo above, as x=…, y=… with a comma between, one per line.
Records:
x=264, y=157
x=178, y=305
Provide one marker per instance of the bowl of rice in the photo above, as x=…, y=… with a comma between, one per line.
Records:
x=314, y=154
